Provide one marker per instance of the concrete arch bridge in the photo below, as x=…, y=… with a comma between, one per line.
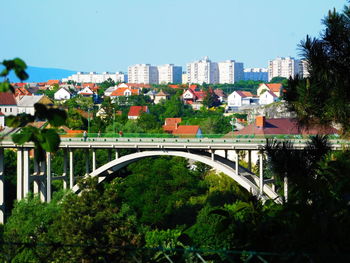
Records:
x=213, y=152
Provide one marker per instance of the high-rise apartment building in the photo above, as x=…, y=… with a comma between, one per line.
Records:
x=143, y=74
x=303, y=68
x=283, y=67
x=93, y=77
x=230, y=72
x=257, y=74
x=203, y=71
x=169, y=73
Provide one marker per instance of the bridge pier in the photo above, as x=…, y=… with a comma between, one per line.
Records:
x=65, y=166
x=48, y=177
x=93, y=159
x=261, y=174
x=2, y=187
x=236, y=161
x=86, y=162
x=285, y=188
x=71, y=170
x=116, y=154
x=249, y=160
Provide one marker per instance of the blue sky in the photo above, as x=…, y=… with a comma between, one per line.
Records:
x=109, y=35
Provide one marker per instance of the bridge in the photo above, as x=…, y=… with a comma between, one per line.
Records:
x=213, y=152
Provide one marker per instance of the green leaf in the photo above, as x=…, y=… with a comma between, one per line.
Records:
x=19, y=120
x=51, y=140
x=57, y=117
x=21, y=74
x=219, y=212
x=22, y=137
x=4, y=86
x=19, y=63
x=40, y=111
x=39, y=153
x=4, y=73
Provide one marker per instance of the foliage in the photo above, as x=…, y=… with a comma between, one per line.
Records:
x=97, y=221
x=324, y=96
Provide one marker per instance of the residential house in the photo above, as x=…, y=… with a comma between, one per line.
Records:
x=126, y=92
x=8, y=103
x=50, y=83
x=161, y=95
x=171, y=124
x=194, y=97
x=22, y=91
x=263, y=126
x=26, y=103
x=267, y=97
x=86, y=92
x=62, y=94
x=136, y=111
x=109, y=91
x=188, y=131
x=151, y=94
x=221, y=95
x=276, y=88
x=241, y=98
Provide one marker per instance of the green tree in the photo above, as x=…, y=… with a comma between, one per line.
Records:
x=324, y=96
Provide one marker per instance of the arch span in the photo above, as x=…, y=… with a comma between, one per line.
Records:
x=116, y=164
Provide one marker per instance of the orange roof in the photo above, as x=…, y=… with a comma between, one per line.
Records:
x=244, y=93
x=137, y=85
x=172, y=121
x=187, y=129
x=121, y=91
x=137, y=110
x=274, y=87
x=52, y=82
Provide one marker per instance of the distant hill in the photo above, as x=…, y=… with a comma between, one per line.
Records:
x=37, y=74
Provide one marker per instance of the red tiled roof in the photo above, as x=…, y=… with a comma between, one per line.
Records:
x=53, y=81
x=172, y=121
x=7, y=98
x=121, y=91
x=137, y=85
x=284, y=126
x=186, y=130
x=21, y=91
x=219, y=93
x=137, y=110
x=244, y=93
x=274, y=87
x=19, y=84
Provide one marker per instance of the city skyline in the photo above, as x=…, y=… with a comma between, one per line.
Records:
x=111, y=35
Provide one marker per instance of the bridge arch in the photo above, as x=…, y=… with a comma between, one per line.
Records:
x=107, y=169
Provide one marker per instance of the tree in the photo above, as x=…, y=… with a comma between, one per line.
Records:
x=324, y=97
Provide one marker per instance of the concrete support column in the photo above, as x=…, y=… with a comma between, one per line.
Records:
x=212, y=155
x=42, y=182
x=93, y=159
x=109, y=155
x=35, y=181
x=236, y=161
x=273, y=186
x=48, y=177
x=87, y=162
x=249, y=160
x=71, y=169
x=261, y=174
x=65, y=166
x=2, y=188
x=225, y=154
x=116, y=154
x=19, y=174
x=285, y=188
x=26, y=171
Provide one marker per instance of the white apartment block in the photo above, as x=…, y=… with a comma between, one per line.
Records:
x=203, y=71
x=143, y=74
x=230, y=72
x=93, y=77
x=257, y=74
x=169, y=73
x=304, y=68
x=283, y=67
x=184, y=78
